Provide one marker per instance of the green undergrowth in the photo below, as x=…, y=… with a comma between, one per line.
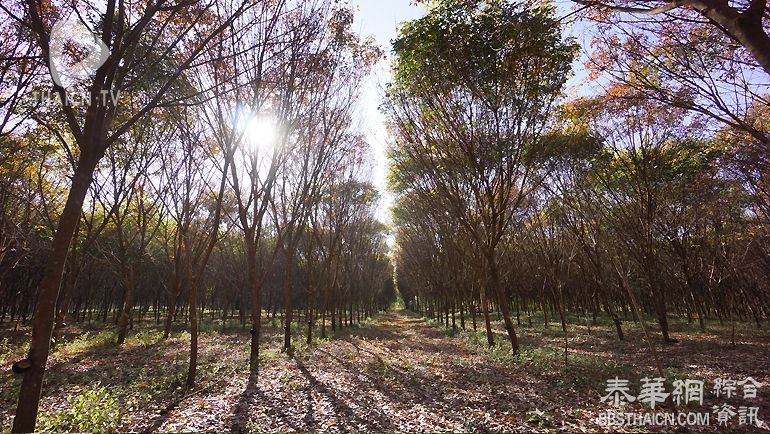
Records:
x=350, y=330
x=544, y=360
x=595, y=355
x=97, y=385
x=104, y=405
x=88, y=341
x=97, y=410
x=11, y=351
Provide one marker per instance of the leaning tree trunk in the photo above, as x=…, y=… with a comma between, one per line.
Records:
x=45, y=309
x=745, y=27
x=494, y=280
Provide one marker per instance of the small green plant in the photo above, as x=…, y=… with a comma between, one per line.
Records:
x=501, y=352
x=147, y=387
x=5, y=346
x=146, y=338
x=539, y=418
x=88, y=341
x=209, y=327
x=94, y=410
x=9, y=350
x=542, y=359
x=265, y=355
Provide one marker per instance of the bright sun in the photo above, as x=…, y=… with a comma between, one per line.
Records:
x=261, y=133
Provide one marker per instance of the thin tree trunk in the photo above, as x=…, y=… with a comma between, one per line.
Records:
x=256, y=308
x=487, y=322
x=287, y=305
x=193, y=335
x=503, y=302
x=128, y=305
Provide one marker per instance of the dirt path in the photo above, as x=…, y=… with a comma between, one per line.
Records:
x=400, y=375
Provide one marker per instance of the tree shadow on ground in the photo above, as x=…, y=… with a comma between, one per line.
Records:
x=240, y=421
x=348, y=418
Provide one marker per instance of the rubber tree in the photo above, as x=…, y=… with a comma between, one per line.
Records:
x=473, y=89
x=128, y=36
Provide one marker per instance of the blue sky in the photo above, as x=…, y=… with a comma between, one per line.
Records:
x=380, y=18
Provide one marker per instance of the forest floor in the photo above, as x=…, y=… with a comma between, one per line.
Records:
x=396, y=373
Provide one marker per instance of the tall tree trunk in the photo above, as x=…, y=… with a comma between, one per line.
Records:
x=310, y=315
x=323, y=313
x=485, y=309
x=171, y=310
x=494, y=280
x=45, y=309
x=473, y=312
x=615, y=319
x=287, y=304
x=193, y=335
x=128, y=305
x=660, y=309
x=256, y=307
x=173, y=296
x=65, y=298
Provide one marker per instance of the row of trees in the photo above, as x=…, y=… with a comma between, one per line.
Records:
x=223, y=172
x=649, y=197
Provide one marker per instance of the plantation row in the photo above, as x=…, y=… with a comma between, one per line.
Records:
x=627, y=201
x=226, y=171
